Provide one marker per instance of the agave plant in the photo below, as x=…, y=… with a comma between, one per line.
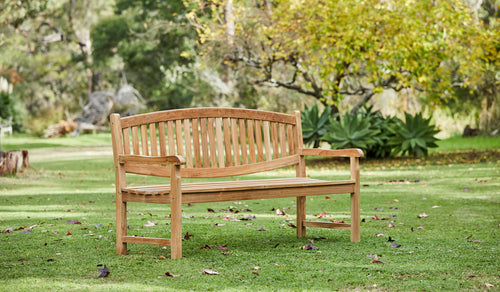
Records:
x=313, y=124
x=350, y=131
x=414, y=136
x=379, y=149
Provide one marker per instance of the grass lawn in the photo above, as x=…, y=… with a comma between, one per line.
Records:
x=433, y=224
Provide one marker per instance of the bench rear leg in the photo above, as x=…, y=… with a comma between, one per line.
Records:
x=301, y=216
x=121, y=227
x=355, y=217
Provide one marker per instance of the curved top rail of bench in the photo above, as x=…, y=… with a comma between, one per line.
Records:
x=170, y=115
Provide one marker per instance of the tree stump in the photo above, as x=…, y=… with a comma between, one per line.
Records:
x=12, y=162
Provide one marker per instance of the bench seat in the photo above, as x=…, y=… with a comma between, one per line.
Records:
x=220, y=191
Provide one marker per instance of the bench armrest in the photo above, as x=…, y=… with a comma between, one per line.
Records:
x=141, y=159
x=329, y=152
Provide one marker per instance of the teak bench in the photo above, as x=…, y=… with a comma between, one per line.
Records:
x=219, y=142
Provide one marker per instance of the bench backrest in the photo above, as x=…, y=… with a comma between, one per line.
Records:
x=215, y=142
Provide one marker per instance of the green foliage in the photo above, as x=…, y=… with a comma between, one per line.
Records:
x=10, y=108
x=379, y=136
x=415, y=136
x=106, y=36
x=151, y=40
x=380, y=147
x=314, y=124
x=350, y=131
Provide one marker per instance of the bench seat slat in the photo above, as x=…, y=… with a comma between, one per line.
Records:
x=227, y=191
x=223, y=186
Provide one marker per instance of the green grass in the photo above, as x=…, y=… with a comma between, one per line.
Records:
x=455, y=248
x=459, y=143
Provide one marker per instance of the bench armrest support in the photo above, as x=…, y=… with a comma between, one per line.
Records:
x=329, y=152
x=141, y=159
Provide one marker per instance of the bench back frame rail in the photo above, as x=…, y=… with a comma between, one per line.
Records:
x=219, y=142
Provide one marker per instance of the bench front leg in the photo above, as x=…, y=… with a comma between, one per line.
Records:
x=176, y=212
x=121, y=226
x=355, y=202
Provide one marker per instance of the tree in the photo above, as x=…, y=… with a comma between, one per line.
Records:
x=45, y=45
x=155, y=47
x=330, y=49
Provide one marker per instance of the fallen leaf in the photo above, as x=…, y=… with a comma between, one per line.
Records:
x=308, y=247
x=210, y=272
x=73, y=222
x=223, y=247
x=327, y=198
x=187, y=236
x=210, y=210
x=337, y=221
x=377, y=261
x=261, y=229
x=380, y=235
x=104, y=271
x=280, y=212
x=466, y=189
x=69, y=233
x=395, y=245
x=423, y=215
x=373, y=255
x=168, y=274
x=206, y=247
x=150, y=224
x=322, y=214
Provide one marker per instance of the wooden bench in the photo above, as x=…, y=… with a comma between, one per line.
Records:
x=219, y=142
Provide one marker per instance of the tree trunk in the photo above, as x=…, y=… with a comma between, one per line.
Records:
x=12, y=162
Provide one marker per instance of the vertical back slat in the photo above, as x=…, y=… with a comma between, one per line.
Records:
x=227, y=142
x=251, y=141
x=152, y=138
x=281, y=132
x=135, y=141
x=144, y=140
x=204, y=143
x=163, y=140
x=179, y=137
x=187, y=141
x=267, y=141
x=289, y=129
x=274, y=140
x=236, y=147
x=258, y=139
x=220, y=141
x=126, y=141
x=243, y=142
x=171, y=138
x=211, y=141
x=196, y=143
